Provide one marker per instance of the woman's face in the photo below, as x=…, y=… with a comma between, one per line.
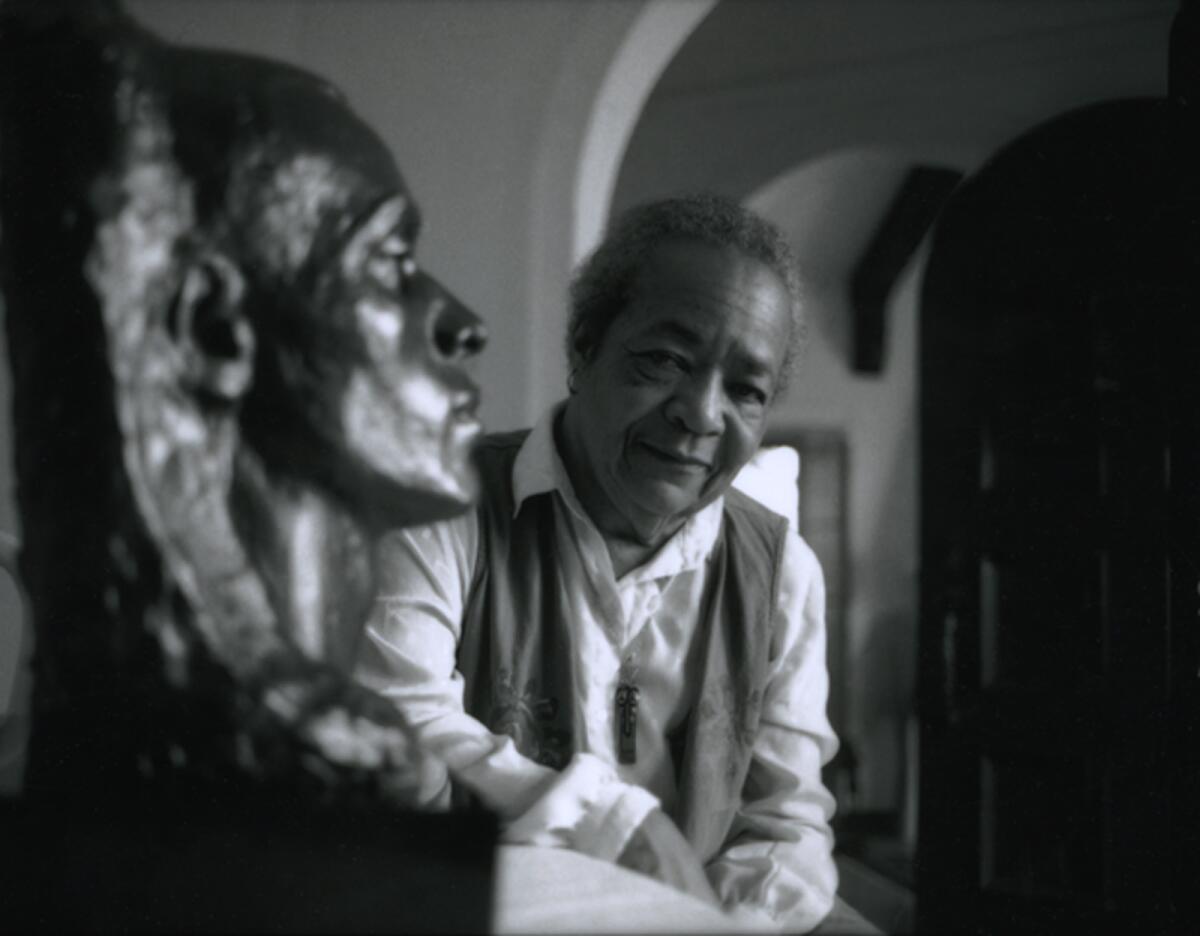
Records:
x=675, y=399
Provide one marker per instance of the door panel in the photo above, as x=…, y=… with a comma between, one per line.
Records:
x=1060, y=452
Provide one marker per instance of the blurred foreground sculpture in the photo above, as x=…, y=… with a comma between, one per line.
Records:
x=229, y=378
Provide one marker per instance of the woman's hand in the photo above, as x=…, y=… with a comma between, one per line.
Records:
x=658, y=849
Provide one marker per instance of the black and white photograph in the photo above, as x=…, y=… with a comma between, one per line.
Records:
x=600, y=466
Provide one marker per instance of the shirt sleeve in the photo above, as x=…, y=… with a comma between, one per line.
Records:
x=777, y=865
x=409, y=654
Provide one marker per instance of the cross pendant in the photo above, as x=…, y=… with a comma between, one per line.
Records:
x=627, y=706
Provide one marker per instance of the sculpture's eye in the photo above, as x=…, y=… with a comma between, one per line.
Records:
x=392, y=264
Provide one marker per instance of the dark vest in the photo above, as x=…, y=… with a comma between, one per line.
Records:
x=516, y=660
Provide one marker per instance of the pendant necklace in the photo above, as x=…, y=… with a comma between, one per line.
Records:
x=627, y=708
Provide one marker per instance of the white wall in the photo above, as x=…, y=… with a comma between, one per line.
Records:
x=829, y=209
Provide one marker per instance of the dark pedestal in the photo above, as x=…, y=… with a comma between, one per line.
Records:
x=267, y=865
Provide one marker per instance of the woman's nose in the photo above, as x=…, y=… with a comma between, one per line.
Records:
x=457, y=332
x=697, y=404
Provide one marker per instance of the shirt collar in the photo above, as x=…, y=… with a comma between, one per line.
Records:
x=538, y=469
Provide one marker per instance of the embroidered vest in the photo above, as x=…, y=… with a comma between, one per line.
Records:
x=516, y=648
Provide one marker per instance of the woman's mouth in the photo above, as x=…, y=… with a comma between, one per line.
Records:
x=681, y=461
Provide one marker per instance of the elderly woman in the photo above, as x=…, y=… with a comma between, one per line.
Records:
x=618, y=652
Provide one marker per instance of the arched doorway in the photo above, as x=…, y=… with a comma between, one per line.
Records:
x=619, y=56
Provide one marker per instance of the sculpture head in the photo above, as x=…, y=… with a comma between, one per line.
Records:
x=291, y=290
x=230, y=373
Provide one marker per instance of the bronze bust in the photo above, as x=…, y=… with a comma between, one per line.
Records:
x=230, y=376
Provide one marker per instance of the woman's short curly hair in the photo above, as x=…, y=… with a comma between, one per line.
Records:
x=603, y=284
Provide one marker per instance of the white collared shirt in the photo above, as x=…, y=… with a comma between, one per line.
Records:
x=782, y=864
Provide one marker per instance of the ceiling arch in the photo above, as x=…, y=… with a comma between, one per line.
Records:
x=762, y=86
x=654, y=38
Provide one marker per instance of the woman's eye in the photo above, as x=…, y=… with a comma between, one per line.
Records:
x=748, y=393
x=662, y=361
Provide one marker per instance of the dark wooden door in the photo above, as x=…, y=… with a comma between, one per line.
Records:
x=1060, y=532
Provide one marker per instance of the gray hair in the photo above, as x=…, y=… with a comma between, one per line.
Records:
x=603, y=284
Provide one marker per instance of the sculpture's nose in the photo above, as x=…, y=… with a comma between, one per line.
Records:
x=457, y=332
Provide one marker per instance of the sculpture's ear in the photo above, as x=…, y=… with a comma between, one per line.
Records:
x=211, y=331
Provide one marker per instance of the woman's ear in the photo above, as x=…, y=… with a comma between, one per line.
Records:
x=583, y=349
x=210, y=330
x=576, y=360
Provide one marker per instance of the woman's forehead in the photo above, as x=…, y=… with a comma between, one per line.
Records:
x=696, y=286
x=747, y=325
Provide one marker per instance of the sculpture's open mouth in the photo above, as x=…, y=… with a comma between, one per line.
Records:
x=465, y=421
x=466, y=401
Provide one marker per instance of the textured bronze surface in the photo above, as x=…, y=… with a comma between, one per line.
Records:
x=230, y=376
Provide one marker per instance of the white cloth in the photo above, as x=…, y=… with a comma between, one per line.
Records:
x=780, y=864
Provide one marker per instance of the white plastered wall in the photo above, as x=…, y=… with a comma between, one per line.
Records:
x=829, y=208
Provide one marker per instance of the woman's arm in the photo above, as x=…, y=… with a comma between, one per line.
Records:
x=778, y=861
x=409, y=657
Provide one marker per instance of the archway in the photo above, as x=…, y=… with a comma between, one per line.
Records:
x=596, y=105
